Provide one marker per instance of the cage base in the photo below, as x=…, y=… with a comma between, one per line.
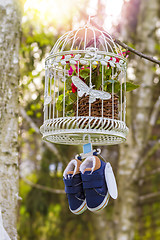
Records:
x=81, y=130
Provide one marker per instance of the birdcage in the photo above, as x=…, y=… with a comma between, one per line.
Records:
x=85, y=90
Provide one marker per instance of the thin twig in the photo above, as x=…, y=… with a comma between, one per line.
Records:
x=149, y=196
x=149, y=174
x=44, y=188
x=136, y=52
x=123, y=44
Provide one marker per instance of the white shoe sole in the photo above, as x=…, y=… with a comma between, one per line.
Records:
x=102, y=205
x=81, y=209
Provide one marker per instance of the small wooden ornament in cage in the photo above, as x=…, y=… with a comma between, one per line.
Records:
x=85, y=89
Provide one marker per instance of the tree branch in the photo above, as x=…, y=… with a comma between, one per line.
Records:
x=146, y=176
x=142, y=159
x=123, y=44
x=145, y=156
x=34, y=126
x=136, y=52
x=149, y=153
x=149, y=196
x=44, y=188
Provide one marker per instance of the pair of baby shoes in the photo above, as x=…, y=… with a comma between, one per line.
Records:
x=89, y=184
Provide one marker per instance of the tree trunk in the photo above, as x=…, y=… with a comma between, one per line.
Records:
x=141, y=104
x=9, y=72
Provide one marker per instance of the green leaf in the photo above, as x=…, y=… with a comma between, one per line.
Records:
x=69, y=107
x=108, y=72
x=59, y=105
x=38, y=115
x=74, y=73
x=70, y=113
x=109, y=88
x=33, y=107
x=68, y=83
x=158, y=122
x=30, y=113
x=67, y=99
x=60, y=98
x=84, y=73
x=130, y=86
x=98, y=81
x=31, y=130
x=73, y=96
x=38, y=106
x=111, y=81
x=116, y=87
x=157, y=47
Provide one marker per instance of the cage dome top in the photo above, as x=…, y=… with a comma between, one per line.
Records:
x=96, y=44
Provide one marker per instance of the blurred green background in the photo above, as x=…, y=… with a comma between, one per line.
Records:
x=43, y=214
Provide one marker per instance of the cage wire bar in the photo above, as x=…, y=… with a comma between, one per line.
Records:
x=89, y=48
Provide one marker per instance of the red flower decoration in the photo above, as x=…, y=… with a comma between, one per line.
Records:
x=74, y=88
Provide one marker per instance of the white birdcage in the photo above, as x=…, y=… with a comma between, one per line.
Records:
x=85, y=90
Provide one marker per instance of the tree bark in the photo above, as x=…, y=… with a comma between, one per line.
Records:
x=141, y=104
x=9, y=72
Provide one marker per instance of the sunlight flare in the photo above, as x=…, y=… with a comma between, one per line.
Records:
x=111, y=13
x=51, y=10
x=113, y=10
x=59, y=11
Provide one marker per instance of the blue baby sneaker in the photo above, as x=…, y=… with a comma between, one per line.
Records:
x=74, y=187
x=94, y=183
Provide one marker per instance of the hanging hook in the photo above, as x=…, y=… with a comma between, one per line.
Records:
x=89, y=20
x=89, y=137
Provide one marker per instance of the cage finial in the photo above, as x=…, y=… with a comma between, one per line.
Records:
x=89, y=19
